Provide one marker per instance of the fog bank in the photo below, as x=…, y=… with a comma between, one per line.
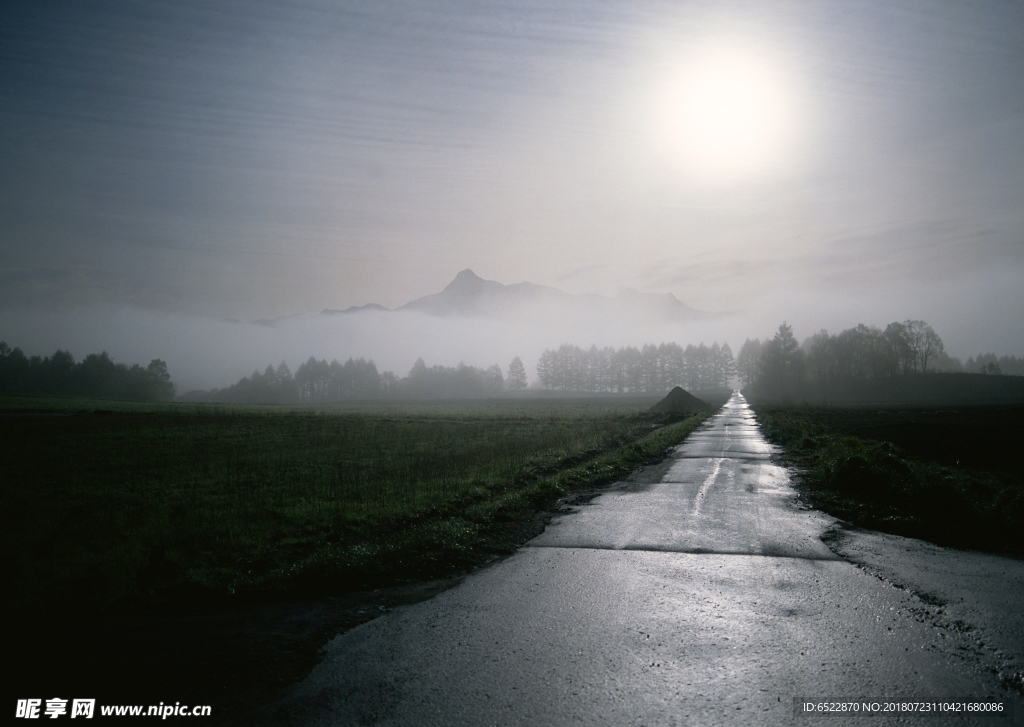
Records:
x=204, y=353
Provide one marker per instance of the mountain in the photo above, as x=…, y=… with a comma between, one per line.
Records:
x=661, y=306
x=470, y=296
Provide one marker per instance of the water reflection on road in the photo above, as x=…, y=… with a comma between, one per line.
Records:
x=722, y=494
x=693, y=593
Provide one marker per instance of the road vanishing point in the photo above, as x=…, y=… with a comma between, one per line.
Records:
x=696, y=592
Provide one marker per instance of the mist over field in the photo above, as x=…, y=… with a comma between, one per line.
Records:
x=205, y=353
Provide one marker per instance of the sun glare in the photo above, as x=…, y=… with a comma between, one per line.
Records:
x=726, y=115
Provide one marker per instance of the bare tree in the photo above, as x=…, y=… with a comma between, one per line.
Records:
x=924, y=342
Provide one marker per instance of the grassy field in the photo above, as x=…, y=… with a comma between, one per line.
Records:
x=952, y=476
x=108, y=503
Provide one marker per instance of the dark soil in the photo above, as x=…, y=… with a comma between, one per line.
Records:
x=679, y=401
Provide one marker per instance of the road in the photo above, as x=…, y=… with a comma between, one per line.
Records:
x=696, y=592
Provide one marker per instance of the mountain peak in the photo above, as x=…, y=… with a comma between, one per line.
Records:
x=468, y=283
x=467, y=279
x=470, y=295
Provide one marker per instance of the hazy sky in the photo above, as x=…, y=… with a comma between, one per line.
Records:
x=825, y=162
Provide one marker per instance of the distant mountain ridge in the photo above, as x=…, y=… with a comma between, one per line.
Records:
x=470, y=296
x=354, y=309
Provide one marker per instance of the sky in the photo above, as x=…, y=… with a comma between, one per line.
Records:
x=170, y=165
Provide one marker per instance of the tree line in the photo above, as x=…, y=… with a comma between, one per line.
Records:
x=569, y=369
x=782, y=367
x=989, y=363
x=650, y=369
x=777, y=367
x=320, y=381
x=95, y=375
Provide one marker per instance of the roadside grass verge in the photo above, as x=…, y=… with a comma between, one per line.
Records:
x=121, y=506
x=913, y=490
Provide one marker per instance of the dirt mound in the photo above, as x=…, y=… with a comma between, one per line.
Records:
x=679, y=401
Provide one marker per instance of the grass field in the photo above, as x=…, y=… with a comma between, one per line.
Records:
x=952, y=476
x=107, y=503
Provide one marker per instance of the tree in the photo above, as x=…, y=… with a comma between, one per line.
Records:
x=781, y=370
x=161, y=385
x=931, y=346
x=821, y=358
x=901, y=347
x=924, y=342
x=389, y=383
x=748, y=360
x=96, y=374
x=493, y=381
x=516, y=375
x=724, y=365
x=545, y=369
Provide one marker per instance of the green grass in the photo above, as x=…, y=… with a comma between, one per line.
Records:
x=127, y=503
x=850, y=468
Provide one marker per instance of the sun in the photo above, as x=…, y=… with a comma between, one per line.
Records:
x=725, y=115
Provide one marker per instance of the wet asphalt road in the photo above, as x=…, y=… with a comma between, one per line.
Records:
x=697, y=593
